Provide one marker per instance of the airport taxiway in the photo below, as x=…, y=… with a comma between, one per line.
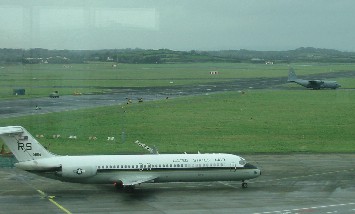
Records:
x=294, y=183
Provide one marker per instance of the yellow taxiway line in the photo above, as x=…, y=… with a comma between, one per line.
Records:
x=51, y=199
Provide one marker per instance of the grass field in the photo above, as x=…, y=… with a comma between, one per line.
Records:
x=40, y=80
x=259, y=121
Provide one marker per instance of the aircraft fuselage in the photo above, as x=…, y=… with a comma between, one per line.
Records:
x=106, y=169
x=317, y=84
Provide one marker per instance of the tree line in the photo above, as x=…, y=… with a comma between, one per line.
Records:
x=161, y=56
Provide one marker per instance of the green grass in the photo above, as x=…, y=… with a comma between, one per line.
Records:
x=259, y=121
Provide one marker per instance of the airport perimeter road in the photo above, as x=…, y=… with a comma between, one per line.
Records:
x=299, y=183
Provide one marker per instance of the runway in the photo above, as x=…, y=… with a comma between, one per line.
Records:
x=119, y=95
x=295, y=183
x=24, y=107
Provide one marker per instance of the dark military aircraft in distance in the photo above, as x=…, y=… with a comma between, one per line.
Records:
x=314, y=84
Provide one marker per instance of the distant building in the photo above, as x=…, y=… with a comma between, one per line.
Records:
x=257, y=60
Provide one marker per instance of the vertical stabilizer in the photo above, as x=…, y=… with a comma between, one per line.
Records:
x=22, y=144
x=291, y=75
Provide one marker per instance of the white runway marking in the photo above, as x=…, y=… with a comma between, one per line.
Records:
x=309, y=209
x=302, y=176
x=282, y=179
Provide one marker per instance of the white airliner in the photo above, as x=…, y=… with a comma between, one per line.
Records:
x=124, y=170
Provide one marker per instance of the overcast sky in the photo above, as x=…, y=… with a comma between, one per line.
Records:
x=178, y=24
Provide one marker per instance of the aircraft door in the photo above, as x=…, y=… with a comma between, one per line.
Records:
x=233, y=167
x=141, y=167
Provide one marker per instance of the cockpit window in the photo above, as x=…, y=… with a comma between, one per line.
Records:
x=242, y=162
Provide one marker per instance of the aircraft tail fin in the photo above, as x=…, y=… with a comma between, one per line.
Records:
x=22, y=144
x=291, y=75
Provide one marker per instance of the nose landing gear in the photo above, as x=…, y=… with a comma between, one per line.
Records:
x=244, y=184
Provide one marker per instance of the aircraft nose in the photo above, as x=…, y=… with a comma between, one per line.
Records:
x=259, y=172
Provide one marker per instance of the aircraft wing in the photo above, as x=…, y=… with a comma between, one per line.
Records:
x=130, y=180
x=316, y=82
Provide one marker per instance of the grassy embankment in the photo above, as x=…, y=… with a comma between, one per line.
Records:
x=255, y=122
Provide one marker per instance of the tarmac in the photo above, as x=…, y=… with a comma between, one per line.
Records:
x=293, y=183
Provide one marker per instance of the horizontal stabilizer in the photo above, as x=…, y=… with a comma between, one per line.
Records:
x=11, y=130
x=153, y=150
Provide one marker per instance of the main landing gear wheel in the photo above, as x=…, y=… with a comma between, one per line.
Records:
x=244, y=185
x=118, y=185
